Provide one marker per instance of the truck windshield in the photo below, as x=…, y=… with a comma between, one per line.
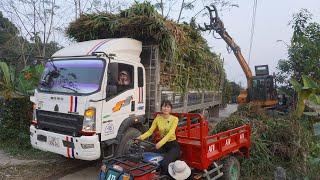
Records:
x=72, y=76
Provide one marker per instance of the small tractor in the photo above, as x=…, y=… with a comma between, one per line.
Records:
x=209, y=156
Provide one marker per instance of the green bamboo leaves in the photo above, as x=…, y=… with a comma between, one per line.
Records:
x=192, y=65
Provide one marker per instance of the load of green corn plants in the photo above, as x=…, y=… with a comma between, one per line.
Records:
x=184, y=52
x=278, y=141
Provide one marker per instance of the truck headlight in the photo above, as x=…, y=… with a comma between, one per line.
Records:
x=89, y=122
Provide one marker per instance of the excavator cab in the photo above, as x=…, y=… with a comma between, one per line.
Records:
x=263, y=89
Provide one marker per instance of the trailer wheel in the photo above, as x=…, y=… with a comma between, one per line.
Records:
x=126, y=140
x=231, y=169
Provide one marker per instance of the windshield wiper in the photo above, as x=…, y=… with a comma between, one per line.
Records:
x=48, y=78
x=66, y=87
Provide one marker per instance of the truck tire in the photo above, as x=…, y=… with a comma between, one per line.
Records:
x=127, y=138
x=231, y=168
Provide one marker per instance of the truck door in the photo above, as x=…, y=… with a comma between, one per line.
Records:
x=120, y=103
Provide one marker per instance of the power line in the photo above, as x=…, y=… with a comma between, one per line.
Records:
x=254, y=12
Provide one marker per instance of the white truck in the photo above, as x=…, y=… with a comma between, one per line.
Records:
x=83, y=111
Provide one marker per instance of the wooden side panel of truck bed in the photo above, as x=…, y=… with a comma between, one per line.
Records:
x=193, y=101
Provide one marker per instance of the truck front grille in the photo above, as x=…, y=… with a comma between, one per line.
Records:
x=68, y=124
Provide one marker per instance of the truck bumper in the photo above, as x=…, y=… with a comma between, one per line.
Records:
x=84, y=147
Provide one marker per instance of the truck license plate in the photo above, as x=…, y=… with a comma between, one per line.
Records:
x=53, y=141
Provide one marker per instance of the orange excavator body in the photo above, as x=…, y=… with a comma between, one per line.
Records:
x=242, y=98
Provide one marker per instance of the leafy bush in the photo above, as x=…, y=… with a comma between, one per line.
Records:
x=276, y=141
x=15, y=122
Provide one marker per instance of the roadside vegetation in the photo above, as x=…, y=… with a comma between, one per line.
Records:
x=19, y=75
x=287, y=143
x=277, y=141
x=16, y=114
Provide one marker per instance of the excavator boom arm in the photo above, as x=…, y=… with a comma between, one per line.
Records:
x=237, y=52
x=217, y=25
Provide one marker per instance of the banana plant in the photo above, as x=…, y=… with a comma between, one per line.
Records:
x=29, y=78
x=309, y=90
x=18, y=85
x=8, y=82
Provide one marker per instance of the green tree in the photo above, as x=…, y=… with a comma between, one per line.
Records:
x=8, y=32
x=18, y=52
x=303, y=52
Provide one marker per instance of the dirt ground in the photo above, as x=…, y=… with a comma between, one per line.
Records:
x=52, y=168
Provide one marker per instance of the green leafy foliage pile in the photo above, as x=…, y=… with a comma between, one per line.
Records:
x=186, y=57
x=283, y=141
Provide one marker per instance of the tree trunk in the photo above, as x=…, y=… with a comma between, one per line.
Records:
x=182, y=6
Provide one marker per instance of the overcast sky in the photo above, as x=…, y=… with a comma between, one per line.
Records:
x=272, y=18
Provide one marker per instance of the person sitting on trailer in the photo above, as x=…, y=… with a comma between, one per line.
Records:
x=168, y=145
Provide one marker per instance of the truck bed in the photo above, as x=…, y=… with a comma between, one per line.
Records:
x=156, y=92
x=203, y=149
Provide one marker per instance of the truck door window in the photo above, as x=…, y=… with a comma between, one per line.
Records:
x=120, y=78
x=140, y=77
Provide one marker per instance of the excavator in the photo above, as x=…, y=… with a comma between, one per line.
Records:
x=261, y=89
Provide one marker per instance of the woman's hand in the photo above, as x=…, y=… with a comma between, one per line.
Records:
x=136, y=139
x=104, y=168
x=158, y=146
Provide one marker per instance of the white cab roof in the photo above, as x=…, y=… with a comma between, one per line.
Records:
x=123, y=48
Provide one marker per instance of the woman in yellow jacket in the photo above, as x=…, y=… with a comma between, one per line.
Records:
x=166, y=124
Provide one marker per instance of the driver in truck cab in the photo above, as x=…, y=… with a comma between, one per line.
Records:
x=124, y=79
x=168, y=145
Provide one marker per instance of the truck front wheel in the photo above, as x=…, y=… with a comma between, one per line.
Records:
x=126, y=140
x=231, y=169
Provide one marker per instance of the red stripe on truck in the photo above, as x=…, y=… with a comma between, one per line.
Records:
x=71, y=104
x=68, y=151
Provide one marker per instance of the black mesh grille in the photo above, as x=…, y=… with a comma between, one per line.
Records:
x=67, y=124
